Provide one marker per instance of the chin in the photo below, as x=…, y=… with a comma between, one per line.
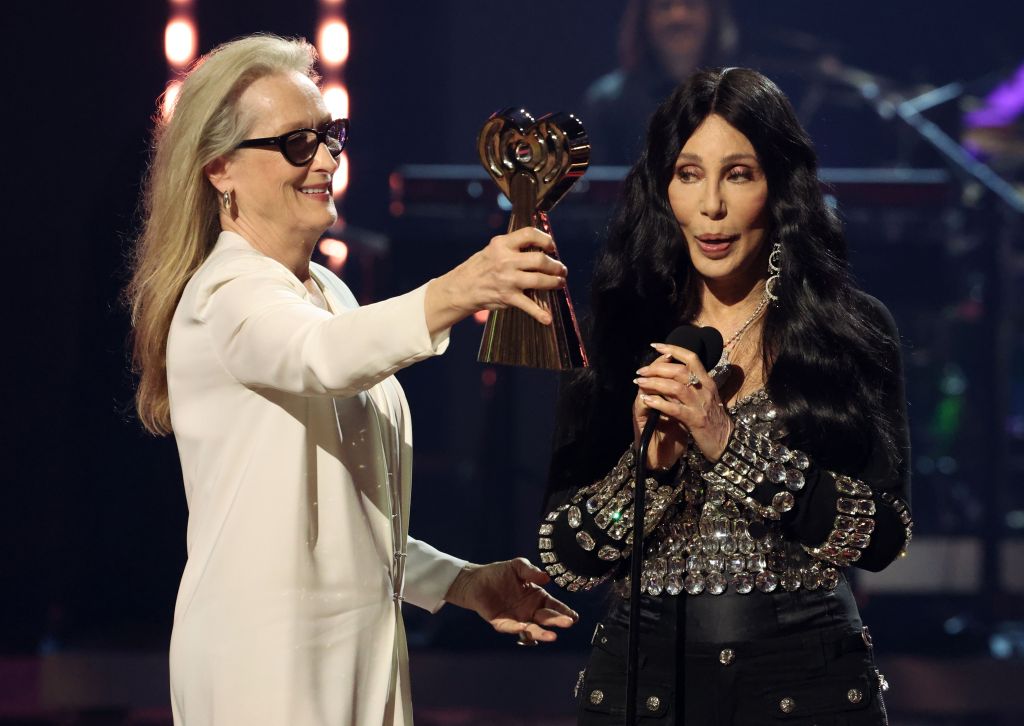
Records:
x=326, y=219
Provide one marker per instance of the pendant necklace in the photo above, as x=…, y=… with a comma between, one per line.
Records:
x=723, y=365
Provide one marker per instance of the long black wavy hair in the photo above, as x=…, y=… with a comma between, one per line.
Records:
x=827, y=347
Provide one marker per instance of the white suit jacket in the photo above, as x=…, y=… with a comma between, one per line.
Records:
x=296, y=453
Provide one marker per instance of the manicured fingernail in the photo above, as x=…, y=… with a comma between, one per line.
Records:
x=657, y=346
x=643, y=397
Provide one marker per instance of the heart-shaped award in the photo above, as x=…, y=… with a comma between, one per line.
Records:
x=534, y=163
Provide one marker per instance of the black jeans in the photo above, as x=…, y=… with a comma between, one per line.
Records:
x=803, y=659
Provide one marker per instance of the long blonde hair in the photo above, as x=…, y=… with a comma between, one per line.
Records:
x=179, y=204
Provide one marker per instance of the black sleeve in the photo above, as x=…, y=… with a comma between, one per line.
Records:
x=811, y=520
x=591, y=431
x=591, y=462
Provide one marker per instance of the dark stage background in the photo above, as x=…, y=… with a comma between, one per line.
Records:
x=93, y=514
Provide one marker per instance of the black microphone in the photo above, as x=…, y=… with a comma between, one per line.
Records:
x=706, y=343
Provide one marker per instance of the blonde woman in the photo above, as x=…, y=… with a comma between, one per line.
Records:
x=294, y=438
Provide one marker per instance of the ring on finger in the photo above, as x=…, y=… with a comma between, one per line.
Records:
x=693, y=380
x=526, y=639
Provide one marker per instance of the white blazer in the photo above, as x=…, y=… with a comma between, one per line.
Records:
x=296, y=452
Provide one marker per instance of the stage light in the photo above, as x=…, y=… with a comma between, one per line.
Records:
x=168, y=100
x=339, y=182
x=335, y=251
x=336, y=99
x=180, y=42
x=333, y=42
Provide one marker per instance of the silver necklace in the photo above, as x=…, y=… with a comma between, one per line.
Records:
x=723, y=362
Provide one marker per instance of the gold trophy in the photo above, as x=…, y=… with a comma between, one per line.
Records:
x=534, y=163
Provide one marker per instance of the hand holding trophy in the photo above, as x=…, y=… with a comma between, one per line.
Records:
x=534, y=163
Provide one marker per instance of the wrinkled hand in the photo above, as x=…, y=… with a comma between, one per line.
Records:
x=496, y=277
x=669, y=442
x=696, y=407
x=509, y=596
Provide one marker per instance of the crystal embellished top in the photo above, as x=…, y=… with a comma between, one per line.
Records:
x=763, y=517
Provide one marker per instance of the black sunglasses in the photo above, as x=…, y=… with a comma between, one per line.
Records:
x=300, y=146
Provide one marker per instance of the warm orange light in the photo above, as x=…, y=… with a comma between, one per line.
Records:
x=169, y=98
x=180, y=42
x=335, y=251
x=333, y=42
x=339, y=182
x=481, y=316
x=336, y=99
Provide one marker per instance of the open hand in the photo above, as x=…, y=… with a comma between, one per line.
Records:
x=509, y=596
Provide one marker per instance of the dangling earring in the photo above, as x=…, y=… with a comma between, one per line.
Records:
x=774, y=268
x=225, y=201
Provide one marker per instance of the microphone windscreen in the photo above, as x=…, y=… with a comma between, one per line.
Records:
x=713, y=345
x=705, y=342
x=686, y=336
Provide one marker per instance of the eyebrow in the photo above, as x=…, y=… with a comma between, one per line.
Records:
x=725, y=159
x=286, y=128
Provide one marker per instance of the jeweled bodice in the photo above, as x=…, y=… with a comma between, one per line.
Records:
x=707, y=541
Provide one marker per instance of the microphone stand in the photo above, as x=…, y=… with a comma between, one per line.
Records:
x=636, y=571
x=909, y=110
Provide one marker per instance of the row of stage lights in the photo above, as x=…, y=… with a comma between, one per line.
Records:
x=181, y=46
x=332, y=44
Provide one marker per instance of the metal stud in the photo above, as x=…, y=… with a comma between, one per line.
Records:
x=653, y=702
x=727, y=656
x=854, y=695
x=596, y=696
x=786, y=705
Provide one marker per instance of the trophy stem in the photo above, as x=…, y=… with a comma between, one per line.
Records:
x=511, y=337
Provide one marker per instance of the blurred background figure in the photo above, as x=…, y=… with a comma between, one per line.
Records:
x=661, y=42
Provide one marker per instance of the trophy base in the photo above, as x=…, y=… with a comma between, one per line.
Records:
x=511, y=337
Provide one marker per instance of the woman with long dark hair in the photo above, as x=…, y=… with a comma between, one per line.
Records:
x=772, y=472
